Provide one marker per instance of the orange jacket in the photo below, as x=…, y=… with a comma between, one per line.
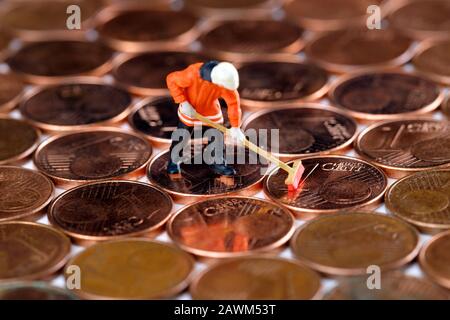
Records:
x=203, y=95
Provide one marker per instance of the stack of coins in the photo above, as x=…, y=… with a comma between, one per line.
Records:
x=88, y=211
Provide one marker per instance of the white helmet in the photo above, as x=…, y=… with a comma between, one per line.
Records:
x=225, y=75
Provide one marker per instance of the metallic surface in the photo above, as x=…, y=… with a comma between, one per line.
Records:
x=224, y=227
x=357, y=49
x=406, y=146
x=231, y=8
x=145, y=74
x=272, y=83
x=11, y=88
x=434, y=259
x=256, y=278
x=31, y=251
x=347, y=243
x=141, y=29
x=78, y=104
x=18, y=140
x=24, y=193
x=110, y=210
x=33, y=291
x=330, y=184
x=241, y=40
x=52, y=61
x=422, y=199
x=385, y=95
x=87, y=156
x=304, y=130
x=197, y=181
x=433, y=60
x=132, y=269
x=446, y=107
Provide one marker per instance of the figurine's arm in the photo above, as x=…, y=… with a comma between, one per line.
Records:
x=234, y=107
x=176, y=83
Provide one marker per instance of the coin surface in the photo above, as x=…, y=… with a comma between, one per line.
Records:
x=406, y=146
x=51, y=61
x=422, y=19
x=31, y=251
x=347, y=243
x=18, y=140
x=132, y=269
x=238, y=40
x=394, y=286
x=197, y=180
x=24, y=193
x=385, y=95
x=157, y=118
x=446, y=107
x=256, y=278
x=33, y=21
x=433, y=60
x=5, y=39
x=11, y=88
x=33, y=291
x=305, y=130
x=224, y=227
x=270, y=83
x=323, y=15
x=422, y=199
x=353, y=49
x=109, y=210
x=81, y=157
x=135, y=30
x=435, y=259
x=75, y=105
x=145, y=74
x=330, y=184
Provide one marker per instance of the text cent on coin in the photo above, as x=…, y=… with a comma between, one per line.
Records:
x=31, y=251
x=347, y=243
x=87, y=156
x=109, y=210
x=24, y=193
x=435, y=259
x=132, y=269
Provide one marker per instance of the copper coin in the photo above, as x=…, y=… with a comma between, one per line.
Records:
x=238, y=40
x=435, y=259
x=75, y=105
x=384, y=95
x=394, y=286
x=422, y=199
x=198, y=181
x=135, y=30
x=352, y=49
x=11, y=88
x=18, y=140
x=422, y=19
x=110, y=210
x=157, y=118
x=330, y=184
x=39, y=20
x=345, y=244
x=446, y=107
x=323, y=15
x=34, y=291
x=406, y=146
x=132, y=269
x=51, y=61
x=5, y=39
x=256, y=278
x=432, y=60
x=270, y=83
x=87, y=156
x=230, y=8
x=24, y=194
x=145, y=74
x=31, y=251
x=306, y=130
x=225, y=227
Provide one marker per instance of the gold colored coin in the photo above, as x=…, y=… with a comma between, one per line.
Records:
x=256, y=278
x=132, y=269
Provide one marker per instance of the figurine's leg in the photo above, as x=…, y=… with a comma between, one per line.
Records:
x=172, y=166
x=220, y=166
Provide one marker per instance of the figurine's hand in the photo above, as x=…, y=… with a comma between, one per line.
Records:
x=187, y=109
x=236, y=134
